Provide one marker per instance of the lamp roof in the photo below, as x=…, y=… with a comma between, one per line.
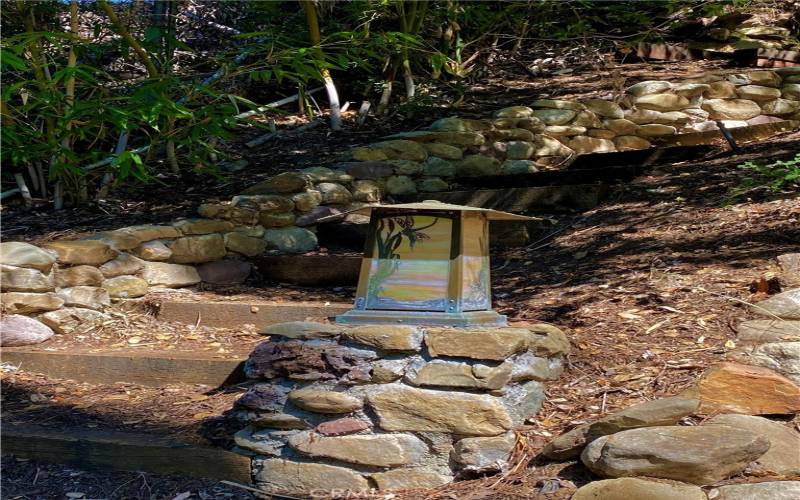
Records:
x=431, y=205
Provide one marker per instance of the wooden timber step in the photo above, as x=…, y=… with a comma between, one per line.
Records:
x=232, y=314
x=741, y=135
x=311, y=270
x=98, y=449
x=149, y=368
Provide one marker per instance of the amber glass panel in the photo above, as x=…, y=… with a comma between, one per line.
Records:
x=475, y=294
x=410, y=263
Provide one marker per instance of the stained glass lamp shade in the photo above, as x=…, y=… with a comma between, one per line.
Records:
x=426, y=263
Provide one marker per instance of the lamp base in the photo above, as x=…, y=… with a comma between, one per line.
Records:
x=464, y=319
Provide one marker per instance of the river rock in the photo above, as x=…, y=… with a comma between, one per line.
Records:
x=758, y=93
x=478, y=166
x=519, y=150
x=606, y=109
x=19, y=254
x=262, y=203
x=126, y=287
x=203, y=226
x=531, y=124
x=90, y=297
x=304, y=330
x=547, y=146
x=444, y=151
x=768, y=490
x=601, y=133
x=555, y=116
x=124, y=264
x=341, y=426
x=666, y=411
x=546, y=340
x=750, y=390
x=78, y=276
x=118, y=240
x=648, y=87
x=380, y=450
x=325, y=174
x=564, y=130
x=431, y=185
x=91, y=252
x=721, y=90
x=783, y=357
x=767, y=78
x=557, y=104
x=290, y=240
x=149, y=232
x=731, y=109
x=633, y=488
x=244, y=245
x=416, y=477
x=656, y=130
x=784, y=305
x=691, y=90
x=23, y=279
x=321, y=401
x=169, y=275
x=155, y=250
x=760, y=331
x=516, y=167
x=780, y=107
x=400, y=184
x=662, y=102
x=70, y=319
x=585, y=145
x=406, y=167
x=631, y=142
x=385, y=371
x=224, y=272
x=513, y=112
x=791, y=91
x=528, y=366
x=307, y=200
x=783, y=456
x=401, y=408
x=586, y=119
x=698, y=455
x=334, y=194
x=367, y=191
x=272, y=219
x=621, y=126
x=456, y=124
x=197, y=249
x=489, y=343
x=283, y=183
x=284, y=477
x=27, y=303
x=386, y=337
x=484, y=453
x=439, y=373
x=17, y=330
x=399, y=149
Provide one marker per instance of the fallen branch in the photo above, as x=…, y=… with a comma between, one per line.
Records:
x=272, y=135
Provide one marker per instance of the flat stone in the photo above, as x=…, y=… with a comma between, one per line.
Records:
x=790, y=268
x=656, y=130
x=783, y=456
x=523, y=401
x=768, y=78
x=621, y=126
x=556, y=104
x=90, y=297
x=263, y=203
x=409, y=478
x=78, y=276
x=749, y=390
x=662, y=102
x=513, y=112
x=491, y=343
x=23, y=279
x=265, y=397
x=244, y=245
x=367, y=191
x=202, y=226
x=400, y=184
x=406, y=167
x=399, y=149
x=19, y=254
x=698, y=455
x=27, y=303
x=456, y=124
x=380, y=450
x=648, y=87
x=284, y=477
x=547, y=340
x=386, y=337
x=334, y=194
x=516, y=167
x=283, y=183
x=731, y=109
x=586, y=119
x=72, y=319
x=225, y=272
x=149, y=232
x=478, y=166
x=564, y=130
x=769, y=490
x=290, y=240
x=457, y=374
x=758, y=93
x=759, y=331
x=631, y=142
x=309, y=360
x=197, y=249
x=606, y=109
x=555, y=116
x=282, y=421
x=119, y=240
x=341, y=427
x=666, y=411
x=91, y=252
x=385, y=371
x=321, y=401
x=307, y=200
x=780, y=107
x=584, y=145
x=791, y=91
x=401, y=408
x=124, y=264
x=632, y=488
x=785, y=305
x=601, y=133
x=782, y=357
x=170, y=275
x=547, y=146
x=250, y=231
x=431, y=185
x=325, y=174
x=127, y=287
x=154, y=250
x=484, y=453
x=268, y=442
x=17, y=330
x=691, y=90
x=303, y=330
x=528, y=366
x=443, y=151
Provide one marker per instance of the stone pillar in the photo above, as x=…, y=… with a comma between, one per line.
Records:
x=386, y=407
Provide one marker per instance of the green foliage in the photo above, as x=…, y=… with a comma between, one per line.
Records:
x=774, y=177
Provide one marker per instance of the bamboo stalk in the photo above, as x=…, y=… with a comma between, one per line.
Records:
x=122, y=31
x=330, y=87
x=23, y=189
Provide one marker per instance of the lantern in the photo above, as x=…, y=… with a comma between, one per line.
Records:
x=426, y=263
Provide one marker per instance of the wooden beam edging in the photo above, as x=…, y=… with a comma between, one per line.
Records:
x=94, y=449
x=233, y=314
x=153, y=369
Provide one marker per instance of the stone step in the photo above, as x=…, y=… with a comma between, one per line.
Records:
x=101, y=449
x=148, y=368
x=233, y=314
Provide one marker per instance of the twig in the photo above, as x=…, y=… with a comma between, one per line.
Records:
x=755, y=306
x=267, y=137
